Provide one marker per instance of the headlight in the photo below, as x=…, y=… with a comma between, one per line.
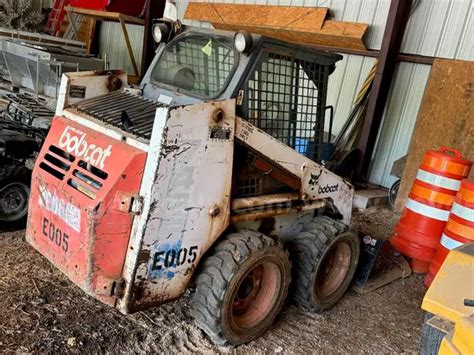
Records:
x=160, y=32
x=243, y=41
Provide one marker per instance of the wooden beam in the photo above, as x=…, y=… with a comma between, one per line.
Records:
x=289, y=23
x=129, y=47
x=373, y=53
x=333, y=34
x=106, y=16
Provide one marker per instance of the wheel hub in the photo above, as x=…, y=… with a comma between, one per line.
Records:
x=248, y=290
x=13, y=202
x=255, y=295
x=333, y=270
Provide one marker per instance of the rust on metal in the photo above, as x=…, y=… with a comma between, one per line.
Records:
x=276, y=211
x=258, y=201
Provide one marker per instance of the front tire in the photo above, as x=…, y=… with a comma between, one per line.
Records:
x=431, y=337
x=14, y=194
x=241, y=288
x=325, y=257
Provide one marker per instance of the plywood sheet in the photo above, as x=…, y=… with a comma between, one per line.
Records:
x=446, y=118
x=292, y=18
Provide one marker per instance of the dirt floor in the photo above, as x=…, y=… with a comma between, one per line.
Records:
x=41, y=311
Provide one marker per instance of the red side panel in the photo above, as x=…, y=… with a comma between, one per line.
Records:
x=82, y=188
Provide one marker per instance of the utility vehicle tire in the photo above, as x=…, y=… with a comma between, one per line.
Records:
x=241, y=288
x=430, y=337
x=14, y=194
x=324, y=257
x=393, y=193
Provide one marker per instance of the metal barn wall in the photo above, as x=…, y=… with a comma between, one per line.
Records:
x=438, y=28
x=112, y=44
x=441, y=28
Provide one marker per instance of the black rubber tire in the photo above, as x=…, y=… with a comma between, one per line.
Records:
x=430, y=337
x=14, y=173
x=393, y=193
x=220, y=276
x=308, y=251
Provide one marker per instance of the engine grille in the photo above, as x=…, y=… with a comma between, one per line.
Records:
x=131, y=113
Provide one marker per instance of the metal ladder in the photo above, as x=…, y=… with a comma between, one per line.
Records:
x=56, y=17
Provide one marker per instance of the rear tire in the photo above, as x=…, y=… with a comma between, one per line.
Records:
x=241, y=288
x=14, y=194
x=431, y=337
x=393, y=193
x=324, y=257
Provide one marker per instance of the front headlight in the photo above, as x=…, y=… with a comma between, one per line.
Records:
x=160, y=32
x=243, y=41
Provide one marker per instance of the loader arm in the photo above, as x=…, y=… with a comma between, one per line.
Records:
x=317, y=182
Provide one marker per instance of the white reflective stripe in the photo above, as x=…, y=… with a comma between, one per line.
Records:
x=439, y=181
x=463, y=212
x=427, y=211
x=449, y=243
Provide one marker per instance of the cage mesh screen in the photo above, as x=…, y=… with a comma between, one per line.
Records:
x=197, y=64
x=286, y=98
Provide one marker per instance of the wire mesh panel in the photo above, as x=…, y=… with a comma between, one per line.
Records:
x=286, y=97
x=197, y=64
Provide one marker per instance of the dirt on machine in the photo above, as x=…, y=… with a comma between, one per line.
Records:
x=208, y=177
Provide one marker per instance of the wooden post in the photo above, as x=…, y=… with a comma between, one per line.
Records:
x=129, y=47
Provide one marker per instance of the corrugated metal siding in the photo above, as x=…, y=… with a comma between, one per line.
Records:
x=441, y=28
x=438, y=28
x=112, y=44
x=399, y=120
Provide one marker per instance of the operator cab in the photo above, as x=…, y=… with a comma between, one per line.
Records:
x=280, y=87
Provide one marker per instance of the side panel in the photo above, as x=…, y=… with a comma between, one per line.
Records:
x=189, y=204
x=79, y=218
x=316, y=181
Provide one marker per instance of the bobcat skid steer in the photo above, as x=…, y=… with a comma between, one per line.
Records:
x=207, y=177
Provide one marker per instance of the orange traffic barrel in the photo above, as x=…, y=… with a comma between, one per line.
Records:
x=419, y=230
x=459, y=229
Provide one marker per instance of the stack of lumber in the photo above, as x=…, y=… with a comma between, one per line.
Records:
x=294, y=24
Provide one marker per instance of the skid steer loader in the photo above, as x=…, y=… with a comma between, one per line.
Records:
x=207, y=177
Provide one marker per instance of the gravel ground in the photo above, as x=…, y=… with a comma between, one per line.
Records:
x=43, y=312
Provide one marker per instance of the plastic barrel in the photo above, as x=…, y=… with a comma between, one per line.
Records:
x=459, y=229
x=419, y=230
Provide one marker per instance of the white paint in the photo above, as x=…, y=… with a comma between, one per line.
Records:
x=181, y=194
x=164, y=99
x=69, y=213
x=463, y=212
x=427, y=211
x=316, y=181
x=74, y=141
x=140, y=221
x=437, y=180
x=449, y=243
